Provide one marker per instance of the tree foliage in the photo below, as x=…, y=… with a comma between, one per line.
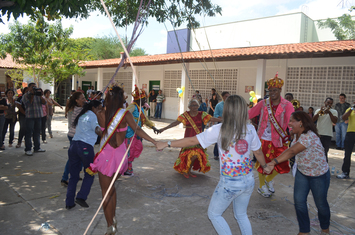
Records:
x=49, y=8
x=123, y=12
x=102, y=48
x=343, y=27
x=43, y=49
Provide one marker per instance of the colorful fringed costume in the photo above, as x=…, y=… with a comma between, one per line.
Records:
x=193, y=127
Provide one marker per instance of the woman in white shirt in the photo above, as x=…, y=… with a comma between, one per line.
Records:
x=312, y=171
x=236, y=138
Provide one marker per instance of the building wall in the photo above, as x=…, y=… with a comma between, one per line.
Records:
x=281, y=29
x=310, y=80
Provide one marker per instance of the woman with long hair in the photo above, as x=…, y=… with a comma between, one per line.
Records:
x=312, y=171
x=10, y=117
x=21, y=118
x=81, y=152
x=72, y=109
x=236, y=138
x=192, y=157
x=112, y=150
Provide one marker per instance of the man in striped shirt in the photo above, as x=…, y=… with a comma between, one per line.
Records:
x=34, y=113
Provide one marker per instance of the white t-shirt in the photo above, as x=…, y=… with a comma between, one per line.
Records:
x=267, y=133
x=236, y=160
x=325, y=124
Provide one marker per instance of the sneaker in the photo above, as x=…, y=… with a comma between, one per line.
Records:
x=29, y=153
x=216, y=158
x=69, y=207
x=343, y=176
x=128, y=174
x=64, y=183
x=40, y=150
x=81, y=202
x=263, y=191
x=270, y=186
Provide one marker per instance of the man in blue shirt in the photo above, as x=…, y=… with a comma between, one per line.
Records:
x=218, y=112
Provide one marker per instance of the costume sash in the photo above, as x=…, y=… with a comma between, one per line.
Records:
x=188, y=117
x=274, y=122
x=113, y=125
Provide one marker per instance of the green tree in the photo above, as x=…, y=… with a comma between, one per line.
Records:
x=124, y=12
x=102, y=48
x=42, y=47
x=343, y=27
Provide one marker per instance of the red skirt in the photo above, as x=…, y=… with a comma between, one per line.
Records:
x=271, y=152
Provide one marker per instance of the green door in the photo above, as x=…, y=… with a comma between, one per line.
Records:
x=85, y=85
x=154, y=85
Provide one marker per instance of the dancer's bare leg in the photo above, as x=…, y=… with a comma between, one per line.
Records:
x=192, y=163
x=109, y=204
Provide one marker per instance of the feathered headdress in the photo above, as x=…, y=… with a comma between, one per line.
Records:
x=138, y=93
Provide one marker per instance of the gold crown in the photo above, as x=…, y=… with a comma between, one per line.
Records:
x=138, y=93
x=275, y=82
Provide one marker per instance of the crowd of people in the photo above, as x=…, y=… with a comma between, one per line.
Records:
x=33, y=109
x=276, y=133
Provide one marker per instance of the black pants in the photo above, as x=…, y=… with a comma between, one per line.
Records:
x=43, y=128
x=348, y=145
x=326, y=141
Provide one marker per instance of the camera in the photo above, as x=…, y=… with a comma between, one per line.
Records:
x=37, y=91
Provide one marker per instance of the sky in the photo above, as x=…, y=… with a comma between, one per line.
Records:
x=154, y=37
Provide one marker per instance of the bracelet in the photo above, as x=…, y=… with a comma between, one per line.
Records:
x=276, y=161
x=264, y=166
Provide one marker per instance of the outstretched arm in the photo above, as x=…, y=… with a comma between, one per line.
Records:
x=169, y=126
x=130, y=121
x=185, y=142
x=287, y=154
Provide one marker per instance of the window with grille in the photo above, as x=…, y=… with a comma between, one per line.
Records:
x=311, y=85
x=205, y=80
x=172, y=80
x=121, y=77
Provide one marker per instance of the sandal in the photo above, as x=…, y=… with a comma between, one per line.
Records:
x=186, y=175
x=192, y=175
x=18, y=146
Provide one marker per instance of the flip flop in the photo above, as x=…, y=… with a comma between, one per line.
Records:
x=186, y=176
x=192, y=175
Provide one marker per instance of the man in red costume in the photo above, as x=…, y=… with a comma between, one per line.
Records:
x=275, y=113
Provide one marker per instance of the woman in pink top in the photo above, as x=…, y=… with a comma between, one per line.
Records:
x=114, y=123
x=312, y=171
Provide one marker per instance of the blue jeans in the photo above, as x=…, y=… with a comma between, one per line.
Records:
x=11, y=122
x=340, y=131
x=79, y=152
x=2, y=123
x=319, y=186
x=33, y=128
x=158, y=110
x=65, y=175
x=231, y=189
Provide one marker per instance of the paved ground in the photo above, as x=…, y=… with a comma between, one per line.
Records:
x=157, y=200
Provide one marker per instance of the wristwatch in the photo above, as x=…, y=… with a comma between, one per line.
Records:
x=169, y=143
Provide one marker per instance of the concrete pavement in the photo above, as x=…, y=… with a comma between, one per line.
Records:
x=157, y=200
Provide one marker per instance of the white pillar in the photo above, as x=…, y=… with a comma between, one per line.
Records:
x=260, y=77
x=73, y=83
x=184, y=83
x=133, y=82
x=283, y=74
x=100, y=79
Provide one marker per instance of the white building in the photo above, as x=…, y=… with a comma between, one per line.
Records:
x=311, y=71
